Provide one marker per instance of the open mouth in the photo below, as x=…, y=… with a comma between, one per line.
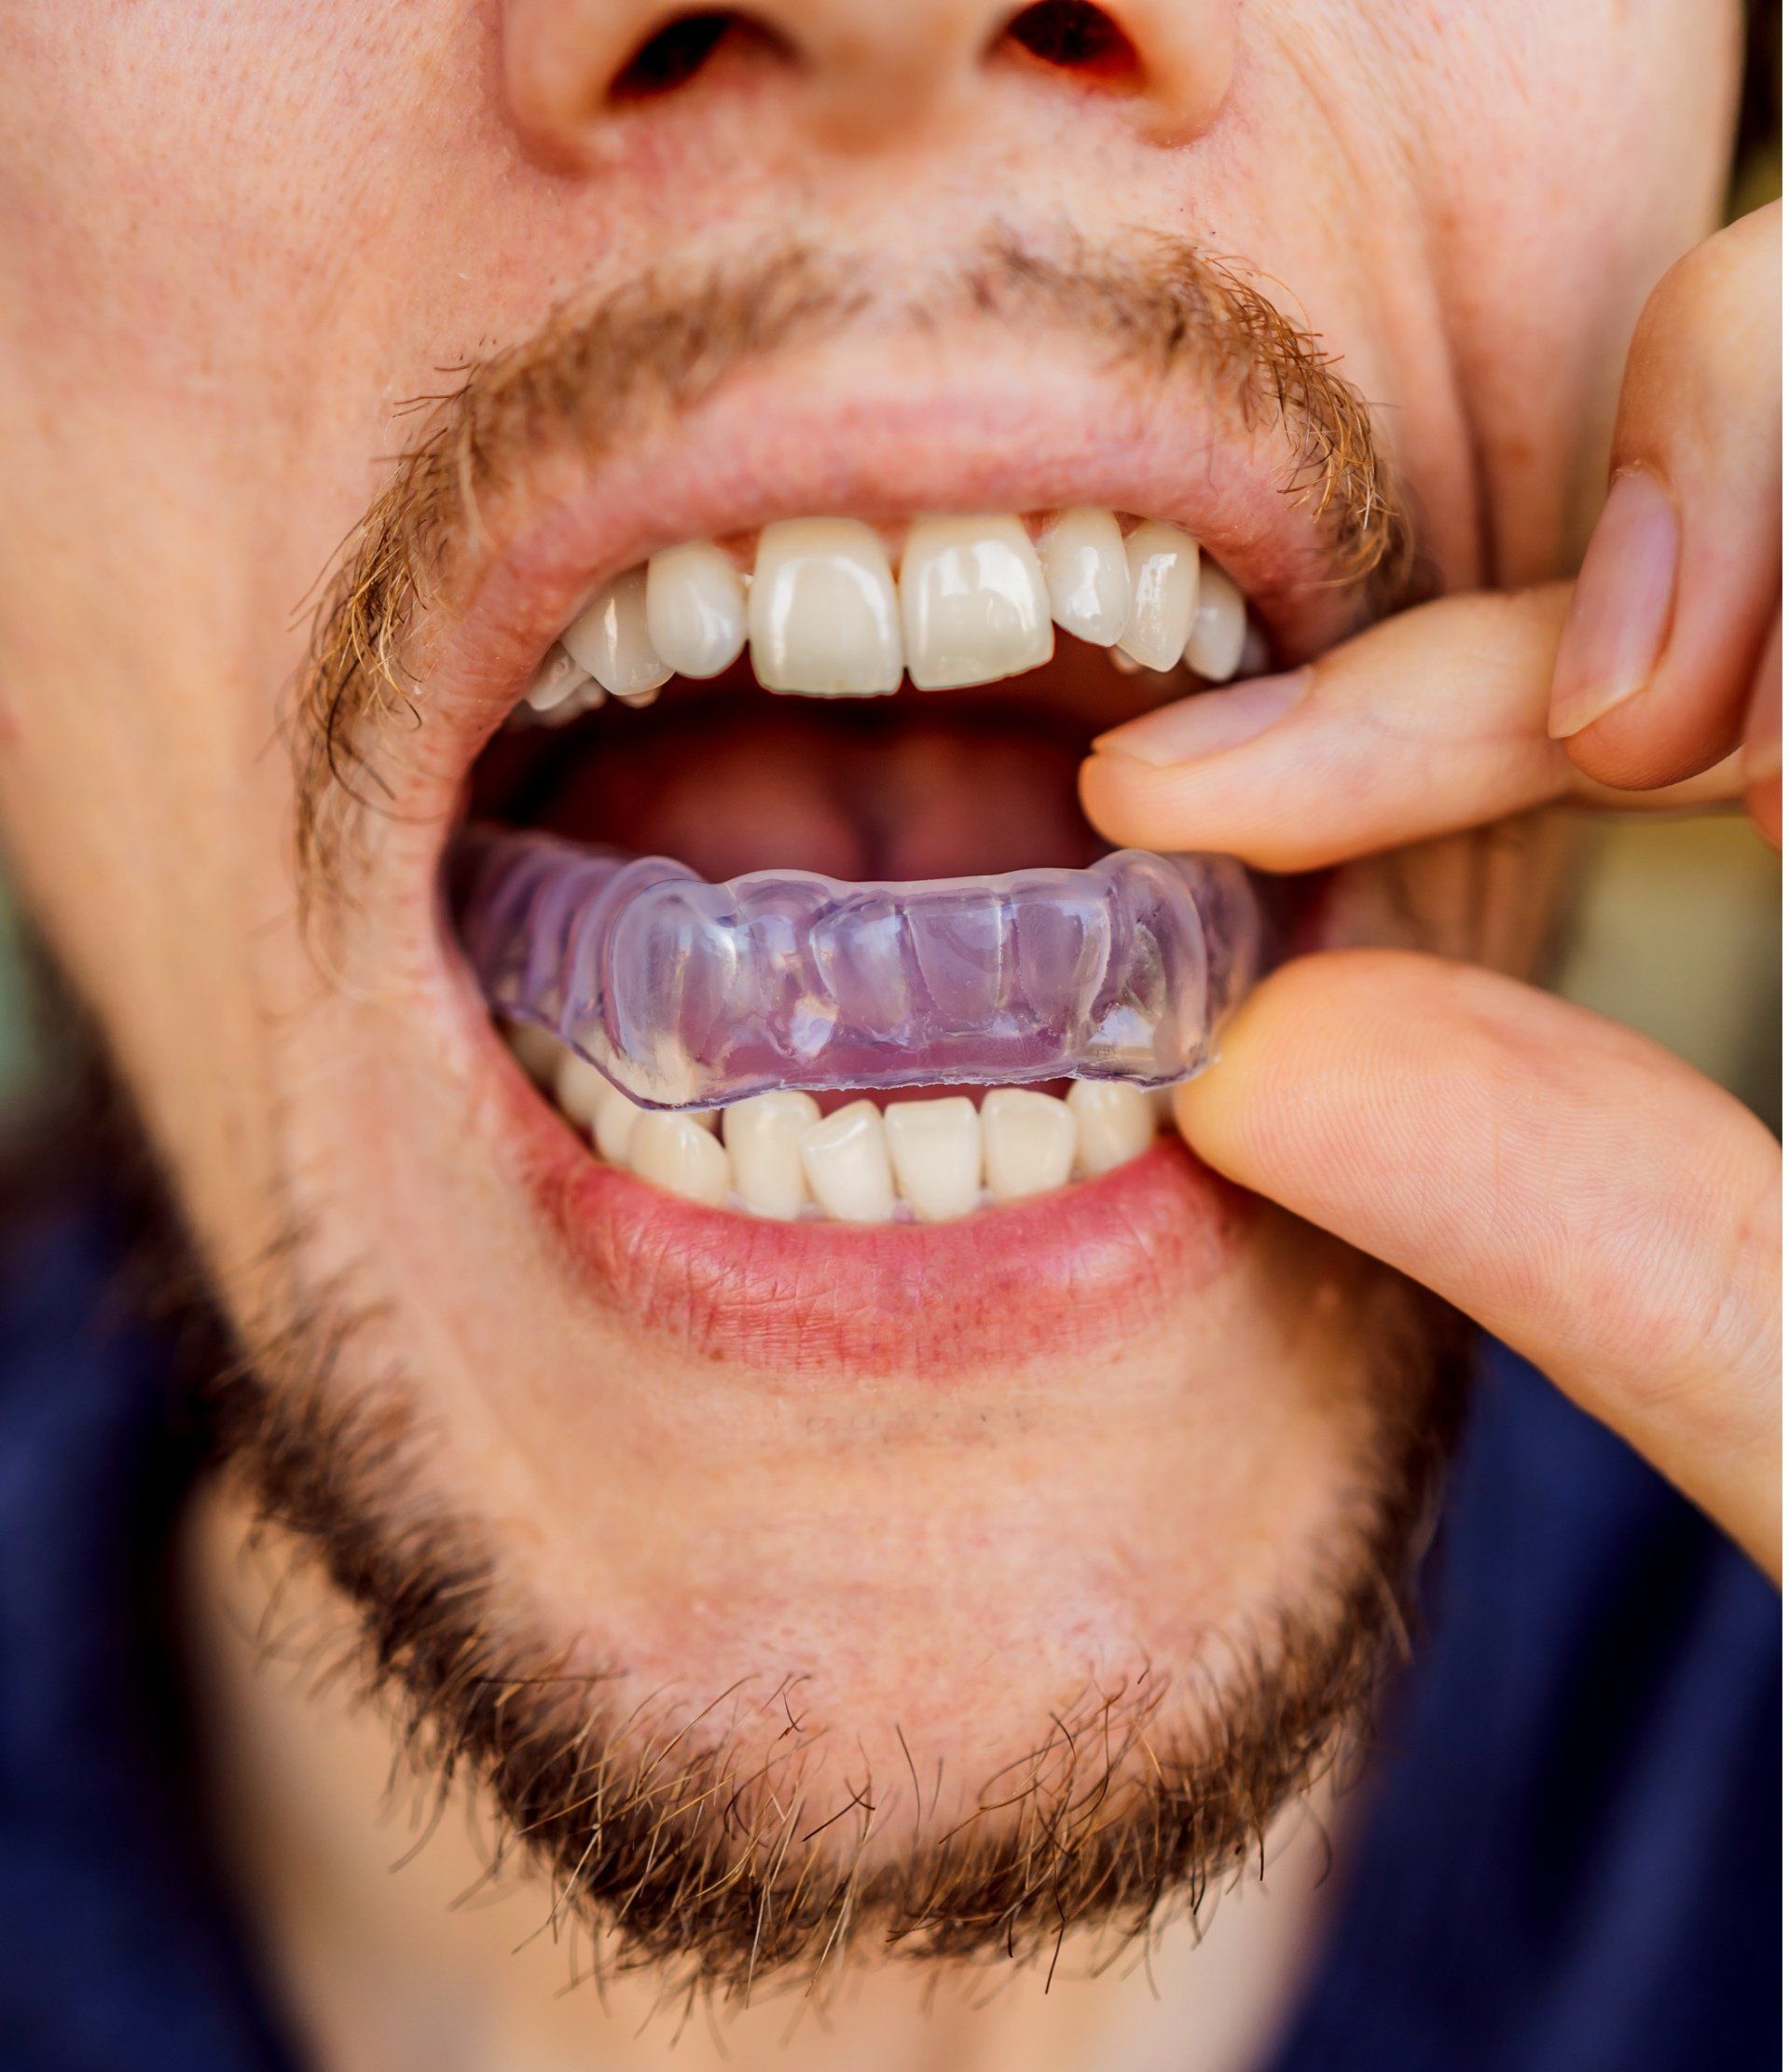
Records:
x=851, y=953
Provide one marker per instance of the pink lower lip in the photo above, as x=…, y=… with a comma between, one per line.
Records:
x=1064, y=1275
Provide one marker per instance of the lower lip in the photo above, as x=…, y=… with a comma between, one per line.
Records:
x=1066, y=1273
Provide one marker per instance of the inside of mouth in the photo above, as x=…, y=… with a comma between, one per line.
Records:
x=917, y=785
x=927, y=841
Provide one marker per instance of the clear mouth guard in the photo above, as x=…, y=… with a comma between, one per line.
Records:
x=688, y=994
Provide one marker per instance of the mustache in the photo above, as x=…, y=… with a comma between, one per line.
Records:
x=1162, y=309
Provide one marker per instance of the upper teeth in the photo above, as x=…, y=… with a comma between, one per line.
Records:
x=827, y=614
x=609, y=638
x=1164, y=566
x=823, y=616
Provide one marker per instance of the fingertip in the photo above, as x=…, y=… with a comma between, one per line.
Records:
x=1615, y=628
x=1208, y=724
x=1309, y=1031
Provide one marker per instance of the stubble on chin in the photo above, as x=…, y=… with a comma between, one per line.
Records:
x=719, y=1838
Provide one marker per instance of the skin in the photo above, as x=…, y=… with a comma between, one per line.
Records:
x=1647, y=1283
x=255, y=238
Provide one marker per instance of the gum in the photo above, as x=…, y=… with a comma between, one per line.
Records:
x=685, y=994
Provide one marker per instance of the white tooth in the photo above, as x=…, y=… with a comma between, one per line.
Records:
x=1087, y=575
x=634, y=700
x=609, y=637
x=557, y=679
x=695, y=608
x=845, y=1158
x=823, y=612
x=1164, y=566
x=578, y=1089
x=678, y=1153
x=1114, y=1122
x=611, y=1125
x=1027, y=1141
x=973, y=603
x=937, y=1149
x=602, y=1110
x=1215, y=646
x=763, y=1139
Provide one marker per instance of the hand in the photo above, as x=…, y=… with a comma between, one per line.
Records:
x=1579, y=1191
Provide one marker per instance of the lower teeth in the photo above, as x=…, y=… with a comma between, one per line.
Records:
x=776, y=1156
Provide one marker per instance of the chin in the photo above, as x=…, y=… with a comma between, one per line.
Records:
x=811, y=1440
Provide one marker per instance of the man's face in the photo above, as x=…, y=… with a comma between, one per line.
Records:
x=964, y=1576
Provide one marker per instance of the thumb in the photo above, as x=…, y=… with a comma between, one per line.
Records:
x=1666, y=645
x=1579, y=1191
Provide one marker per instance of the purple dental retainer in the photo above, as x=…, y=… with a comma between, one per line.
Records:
x=688, y=994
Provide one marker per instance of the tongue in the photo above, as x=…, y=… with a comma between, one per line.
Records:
x=932, y=798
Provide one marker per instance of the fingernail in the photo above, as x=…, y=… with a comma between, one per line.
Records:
x=1208, y=722
x=1616, y=627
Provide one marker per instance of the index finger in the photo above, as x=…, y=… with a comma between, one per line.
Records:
x=1427, y=723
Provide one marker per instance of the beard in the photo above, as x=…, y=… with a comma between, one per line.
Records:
x=724, y=1834
x=701, y=1834
x=714, y=1836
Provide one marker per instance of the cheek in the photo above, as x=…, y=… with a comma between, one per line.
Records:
x=147, y=844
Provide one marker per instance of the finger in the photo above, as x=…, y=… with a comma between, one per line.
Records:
x=1427, y=723
x=1762, y=758
x=1681, y=580
x=1583, y=1194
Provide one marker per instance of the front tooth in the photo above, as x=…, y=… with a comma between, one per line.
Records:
x=557, y=679
x=675, y=1152
x=762, y=1136
x=609, y=637
x=1027, y=1141
x=822, y=613
x=1164, y=568
x=1087, y=575
x=845, y=1158
x=1215, y=646
x=582, y=1095
x=936, y=1146
x=695, y=608
x=973, y=602
x=1114, y=1122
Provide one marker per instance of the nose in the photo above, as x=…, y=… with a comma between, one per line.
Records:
x=856, y=73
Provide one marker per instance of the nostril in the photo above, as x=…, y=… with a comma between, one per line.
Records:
x=675, y=52
x=1074, y=35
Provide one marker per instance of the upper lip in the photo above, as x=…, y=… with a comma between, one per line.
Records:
x=840, y=429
